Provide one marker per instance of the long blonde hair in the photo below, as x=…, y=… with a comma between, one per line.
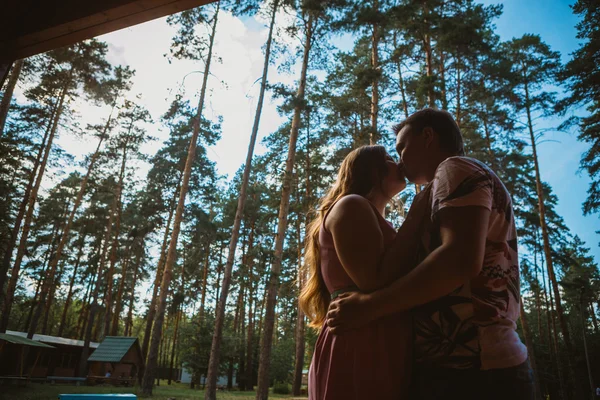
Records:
x=362, y=170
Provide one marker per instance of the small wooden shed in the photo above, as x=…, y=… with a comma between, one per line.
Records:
x=63, y=361
x=15, y=351
x=118, y=360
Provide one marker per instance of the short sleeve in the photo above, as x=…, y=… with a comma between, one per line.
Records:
x=461, y=182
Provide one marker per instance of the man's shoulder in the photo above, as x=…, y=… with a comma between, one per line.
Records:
x=464, y=161
x=457, y=164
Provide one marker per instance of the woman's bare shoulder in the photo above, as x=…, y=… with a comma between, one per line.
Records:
x=349, y=208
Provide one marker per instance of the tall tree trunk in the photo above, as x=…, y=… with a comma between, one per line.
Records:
x=429, y=70
x=241, y=372
x=12, y=284
x=82, y=188
x=585, y=349
x=299, y=334
x=34, y=301
x=442, y=70
x=262, y=392
x=8, y=93
x=488, y=142
x=548, y=312
x=458, y=92
x=114, y=330
x=249, y=370
x=172, y=253
x=374, y=66
x=55, y=280
x=527, y=334
x=400, y=78
x=236, y=330
x=158, y=276
x=178, y=318
x=19, y=219
x=559, y=364
x=213, y=366
x=174, y=346
x=205, y=282
x=203, y=300
x=41, y=280
x=63, y=318
x=545, y=236
x=80, y=329
x=161, y=352
x=94, y=306
x=129, y=320
x=115, y=244
x=48, y=308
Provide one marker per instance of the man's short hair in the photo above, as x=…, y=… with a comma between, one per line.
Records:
x=441, y=122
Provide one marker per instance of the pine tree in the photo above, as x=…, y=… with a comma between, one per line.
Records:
x=535, y=64
x=149, y=372
x=81, y=66
x=213, y=369
x=581, y=77
x=312, y=16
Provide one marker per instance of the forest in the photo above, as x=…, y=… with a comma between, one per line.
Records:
x=144, y=237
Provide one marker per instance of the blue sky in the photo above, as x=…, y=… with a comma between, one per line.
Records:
x=554, y=21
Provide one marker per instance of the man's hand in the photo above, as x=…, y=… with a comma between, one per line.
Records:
x=349, y=311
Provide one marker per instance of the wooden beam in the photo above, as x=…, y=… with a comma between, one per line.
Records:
x=4, y=69
x=35, y=39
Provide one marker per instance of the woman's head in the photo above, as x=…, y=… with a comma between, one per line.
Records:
x=366, y=171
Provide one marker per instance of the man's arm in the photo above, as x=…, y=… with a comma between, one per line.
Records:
x=459, y=258
x=400, y=255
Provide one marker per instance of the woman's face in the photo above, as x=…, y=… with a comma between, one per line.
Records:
x=394, y=181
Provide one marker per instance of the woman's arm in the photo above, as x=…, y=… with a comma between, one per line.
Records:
x=358, y=241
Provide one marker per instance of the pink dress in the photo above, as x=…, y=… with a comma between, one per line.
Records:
x=373, y=362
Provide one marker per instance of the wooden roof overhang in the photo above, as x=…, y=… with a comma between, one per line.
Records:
x=29, y=27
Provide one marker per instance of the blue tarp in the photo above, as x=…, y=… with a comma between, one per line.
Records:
x=117, y=396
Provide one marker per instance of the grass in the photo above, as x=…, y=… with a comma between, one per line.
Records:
x=177, y=391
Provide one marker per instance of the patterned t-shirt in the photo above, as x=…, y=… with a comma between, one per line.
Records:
x=475, y=325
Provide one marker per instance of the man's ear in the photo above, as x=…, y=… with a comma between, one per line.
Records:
x=428, y=136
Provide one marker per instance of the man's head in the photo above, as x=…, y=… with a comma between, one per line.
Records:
x=424, y=140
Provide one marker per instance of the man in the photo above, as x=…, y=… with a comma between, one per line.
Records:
x=465, y=288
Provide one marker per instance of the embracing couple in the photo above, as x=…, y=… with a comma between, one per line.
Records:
x=426, y=312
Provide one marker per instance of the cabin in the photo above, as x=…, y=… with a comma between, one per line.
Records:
x=62, y=362
x=118, y=361
x=20, y=351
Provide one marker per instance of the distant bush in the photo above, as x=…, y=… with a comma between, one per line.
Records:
x=281, y=388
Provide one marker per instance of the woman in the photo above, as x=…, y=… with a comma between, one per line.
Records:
x=344, y=248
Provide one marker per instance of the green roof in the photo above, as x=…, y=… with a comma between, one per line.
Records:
x=22, y=340
x=113, y=348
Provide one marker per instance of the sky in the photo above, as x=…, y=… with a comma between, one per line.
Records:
x=234, y=86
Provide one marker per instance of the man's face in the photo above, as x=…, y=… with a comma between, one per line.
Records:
x=412, y=150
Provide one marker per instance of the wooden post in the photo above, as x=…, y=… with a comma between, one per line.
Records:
x=22, y=360
x=34, y=363
x=4, y=69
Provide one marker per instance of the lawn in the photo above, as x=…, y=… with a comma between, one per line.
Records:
x=177, y=391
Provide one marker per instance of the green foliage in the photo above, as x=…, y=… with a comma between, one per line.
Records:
x=281, y=388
